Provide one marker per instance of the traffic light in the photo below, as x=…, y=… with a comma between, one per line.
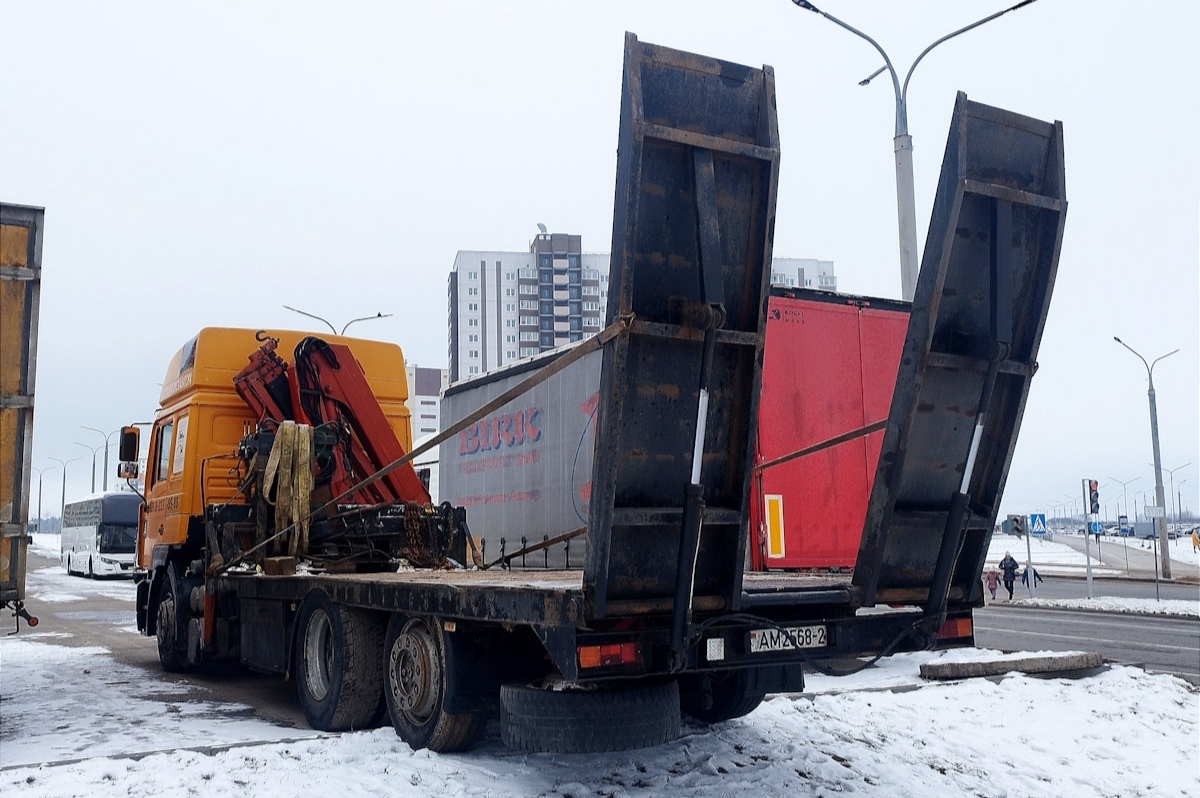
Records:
x=1094, y=495
x=1017, y=525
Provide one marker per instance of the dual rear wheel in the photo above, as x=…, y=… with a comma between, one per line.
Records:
x=349, y=665
x=346, y=658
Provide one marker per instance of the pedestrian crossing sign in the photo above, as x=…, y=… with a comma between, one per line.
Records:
x=1037, y=524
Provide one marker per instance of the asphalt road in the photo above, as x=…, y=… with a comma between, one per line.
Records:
x=1136, y=557
x=102, y=614
x=1167, y=644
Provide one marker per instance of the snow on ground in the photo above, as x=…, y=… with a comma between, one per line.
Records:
x=1130, y=606
x=1049, y=557
x=1121, y=733
x=74, y=722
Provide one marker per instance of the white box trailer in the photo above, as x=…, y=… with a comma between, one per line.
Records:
x=524, y=473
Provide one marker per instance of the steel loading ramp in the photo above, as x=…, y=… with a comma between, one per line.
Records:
x=697, y=168
x=968, y=358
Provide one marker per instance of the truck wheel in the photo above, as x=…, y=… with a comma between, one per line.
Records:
x=714, y=697
x=339, y=659
x=167, y=625
x=416, y=688
x=588, y=721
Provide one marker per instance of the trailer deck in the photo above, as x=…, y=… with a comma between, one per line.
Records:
x=538, y=597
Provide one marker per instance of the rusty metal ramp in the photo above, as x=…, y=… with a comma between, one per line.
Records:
x=968, y=359
x=697, y=166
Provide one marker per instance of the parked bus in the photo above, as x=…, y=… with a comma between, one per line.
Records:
x=99, y=535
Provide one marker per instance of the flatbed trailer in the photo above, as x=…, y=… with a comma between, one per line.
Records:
x=662, y=614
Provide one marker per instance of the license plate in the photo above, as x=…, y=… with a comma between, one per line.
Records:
x=777, y=640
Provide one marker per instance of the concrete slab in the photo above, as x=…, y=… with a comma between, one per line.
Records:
x=1077, y=664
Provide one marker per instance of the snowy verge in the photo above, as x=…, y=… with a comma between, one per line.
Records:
x=1128, y=606
x=1124, y=732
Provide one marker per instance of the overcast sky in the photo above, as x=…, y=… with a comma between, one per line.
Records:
x=205, y=164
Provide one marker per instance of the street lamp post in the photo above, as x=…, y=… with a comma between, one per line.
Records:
x=107, y=441
x=1174, y=506
x=1163, y=549
x=1179, y=502
x=345, y=326
x=1071, y=503
x=63, y=506
x=906, y=202
x=40, y=472
x=1124, y=495
x=95, y=450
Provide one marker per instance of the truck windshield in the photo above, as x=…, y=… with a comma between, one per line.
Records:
x=114, y=539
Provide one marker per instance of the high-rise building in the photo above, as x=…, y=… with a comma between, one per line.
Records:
x=803, y=273
x=505, y=306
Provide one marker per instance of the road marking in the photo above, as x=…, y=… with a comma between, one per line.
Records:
x=1105, y=640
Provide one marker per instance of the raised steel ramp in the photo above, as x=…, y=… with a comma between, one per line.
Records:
x=697, y=166
x=968, y=360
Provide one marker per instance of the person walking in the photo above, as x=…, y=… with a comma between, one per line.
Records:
x=992, y=580
x=1195, y=540
x=1009, y=566
x=1036, y=576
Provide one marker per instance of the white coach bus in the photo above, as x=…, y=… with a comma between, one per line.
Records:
x=99, y=535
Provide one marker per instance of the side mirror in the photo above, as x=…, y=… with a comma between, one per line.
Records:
x=130, y=445
x=127, y=470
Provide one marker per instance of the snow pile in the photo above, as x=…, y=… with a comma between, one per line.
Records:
x=1130, y=606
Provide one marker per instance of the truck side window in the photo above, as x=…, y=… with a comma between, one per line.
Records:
x=162, y=450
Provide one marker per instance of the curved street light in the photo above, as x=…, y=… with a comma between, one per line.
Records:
x=95, y=450
x=1179, y=502
x=40, y=472
x=906, y=199
x=1164, y=549
x=1124, y=495
x=330, y=326
x=107, y=441
x=63, y=506
x=1172, y=471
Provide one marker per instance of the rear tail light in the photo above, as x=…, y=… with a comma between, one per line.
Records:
x=608, y=655
x=955, y=628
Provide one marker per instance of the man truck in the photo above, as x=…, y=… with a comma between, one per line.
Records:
x=284, y=526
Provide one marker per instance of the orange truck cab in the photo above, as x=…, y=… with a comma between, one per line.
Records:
x=192, y=460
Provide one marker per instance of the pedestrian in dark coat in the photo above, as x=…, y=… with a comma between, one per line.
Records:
x=1009, y=566
x=1036, y=576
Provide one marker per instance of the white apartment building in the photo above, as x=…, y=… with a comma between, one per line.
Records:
x=425, y=388
x=803, y=273
x=506, y=306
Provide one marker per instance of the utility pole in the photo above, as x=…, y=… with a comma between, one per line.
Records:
x=906, y=199
x=1164, y=548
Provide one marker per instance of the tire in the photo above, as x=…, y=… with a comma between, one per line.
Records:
x=589, y=721
x=719, y=696
x=167, y=630
x=338, y=664
x=416, y=687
